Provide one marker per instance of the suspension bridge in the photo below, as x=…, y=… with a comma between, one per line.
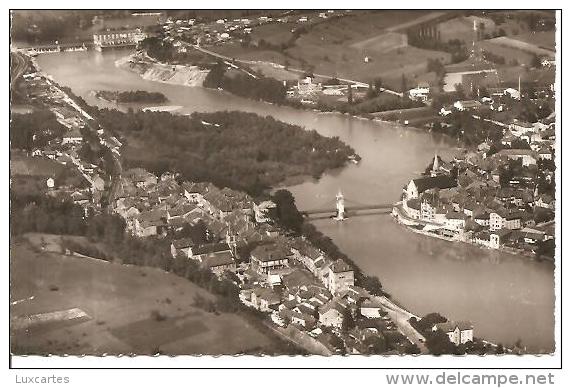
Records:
x=341, y=208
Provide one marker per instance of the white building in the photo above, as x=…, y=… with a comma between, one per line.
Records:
x=458, y=332
x=420, y=93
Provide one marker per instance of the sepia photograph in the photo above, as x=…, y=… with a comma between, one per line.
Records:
x=270, y=182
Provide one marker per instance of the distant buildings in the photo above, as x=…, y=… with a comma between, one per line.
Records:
x=420, y=93
x=467, y=105
x=118, y=38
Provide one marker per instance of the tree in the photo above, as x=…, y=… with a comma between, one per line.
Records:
x=198, y=232
x=426, y=323
x=288, y=215
x=459, y=88
x=438, y=343
x=404, y=83
x=348, y=322
x=378, y=83
x=349, y=94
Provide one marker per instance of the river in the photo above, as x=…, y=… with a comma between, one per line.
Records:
x=506, y=297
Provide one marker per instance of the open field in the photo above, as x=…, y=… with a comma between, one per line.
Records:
x=338, y=47
x=541, y=39
x=356, y=27
x=128, y=310
x=462, y=28
x=504, y=41
x=540, y=77
x=420, y=17
x=349, y=63
x=21, y=164
x=510, y=54
x=382, y=43
x=274, y=33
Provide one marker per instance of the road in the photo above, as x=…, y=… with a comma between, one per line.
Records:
x=401, y=318
x=300, y=71
x=18, y=69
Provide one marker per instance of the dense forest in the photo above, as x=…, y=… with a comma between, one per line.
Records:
x=34, y=130
x=235, y=149
x=241, y=84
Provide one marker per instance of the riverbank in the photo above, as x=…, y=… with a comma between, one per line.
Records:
x=152, y=70
x=521, y=308
x=432, y=230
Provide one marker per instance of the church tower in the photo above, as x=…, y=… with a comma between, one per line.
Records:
x=435, y=166
x=231, y=241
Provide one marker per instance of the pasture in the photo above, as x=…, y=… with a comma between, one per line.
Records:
x=338, y=47
x=505, y=41
x=462, y=28
x=542, y=39
x=510, y=54
x=129, y=310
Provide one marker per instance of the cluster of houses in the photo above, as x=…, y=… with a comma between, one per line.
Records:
x=66, y=149
x=211, y=33
x=496, y=100
x=468, y=200
x=225, y=30
x=285, y=277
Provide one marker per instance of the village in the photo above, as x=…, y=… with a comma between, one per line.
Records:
x=305, y=295
x=495, y=198
x=497, y=192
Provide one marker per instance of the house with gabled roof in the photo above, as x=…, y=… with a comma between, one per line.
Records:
x=219, y=262
x=200, y=252
x=182, y=246
x=341, y=277
x=417, y=186
x=269, y=257
x=265, y=299
x=458, y=332
x=498, y=237
x=332, y=314
x=140, y=177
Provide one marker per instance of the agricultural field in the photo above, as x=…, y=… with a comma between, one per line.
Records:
x=505, y=41
x=462, y=28
x=91, y=306
x=20, y=164
x=338, y=47
x=350, y=63
x=542, y=39
x=274, y=33
x=382, y=43
x=540, y=77
x=29, y=174
x=345, y=31
x=510, y=54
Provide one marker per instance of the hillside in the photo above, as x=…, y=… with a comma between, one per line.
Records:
x=86, y=306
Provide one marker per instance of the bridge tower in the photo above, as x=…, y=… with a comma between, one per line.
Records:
x=340, y=205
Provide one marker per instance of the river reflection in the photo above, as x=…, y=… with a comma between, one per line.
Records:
x=506, y=297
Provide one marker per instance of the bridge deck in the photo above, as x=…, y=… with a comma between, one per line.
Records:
x=382, y=206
